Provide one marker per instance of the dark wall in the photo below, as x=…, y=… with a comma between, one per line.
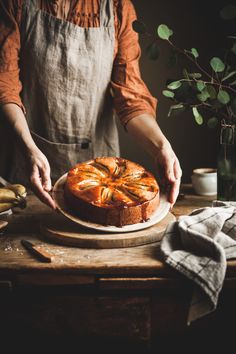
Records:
x=195, y=24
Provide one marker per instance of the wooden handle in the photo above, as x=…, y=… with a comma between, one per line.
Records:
x=37, y=251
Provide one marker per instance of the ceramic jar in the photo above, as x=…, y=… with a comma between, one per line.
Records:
x=204, y=181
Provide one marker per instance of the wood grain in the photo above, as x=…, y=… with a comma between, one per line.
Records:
x=144, y=261
x=65, y=232
x=125, y=294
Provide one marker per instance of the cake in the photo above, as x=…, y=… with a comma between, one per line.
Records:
x=111, y=191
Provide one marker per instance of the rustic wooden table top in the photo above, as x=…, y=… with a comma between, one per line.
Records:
x=140, y=261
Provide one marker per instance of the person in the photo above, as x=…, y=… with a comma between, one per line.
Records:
x=67, y=69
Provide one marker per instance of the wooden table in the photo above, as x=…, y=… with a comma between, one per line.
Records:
x=126, y=296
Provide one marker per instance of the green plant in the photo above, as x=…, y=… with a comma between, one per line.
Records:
x=210, y=93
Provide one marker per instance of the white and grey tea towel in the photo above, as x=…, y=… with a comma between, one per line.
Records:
x=198, y=245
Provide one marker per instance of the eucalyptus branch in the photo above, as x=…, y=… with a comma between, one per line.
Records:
x=190, y=58
x=207, y=91
x=209, y=109
x=227, y=87
x=214, y=82
x=200, y=105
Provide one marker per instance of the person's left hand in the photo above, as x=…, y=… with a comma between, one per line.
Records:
x=169, y=171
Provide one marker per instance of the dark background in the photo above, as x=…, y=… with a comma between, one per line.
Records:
x=195, y=24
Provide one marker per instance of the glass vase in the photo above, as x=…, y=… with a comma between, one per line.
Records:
x=226, y=164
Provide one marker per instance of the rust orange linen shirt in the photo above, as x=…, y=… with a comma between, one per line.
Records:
x=131, y=95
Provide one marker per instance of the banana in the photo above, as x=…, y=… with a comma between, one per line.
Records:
x=19, y=188
x=8, y=198
x=5, y=206
x=7, y=195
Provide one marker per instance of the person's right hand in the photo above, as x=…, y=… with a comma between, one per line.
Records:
x=40, y=180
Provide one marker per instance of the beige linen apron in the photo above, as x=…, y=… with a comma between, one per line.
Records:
x=66, y=72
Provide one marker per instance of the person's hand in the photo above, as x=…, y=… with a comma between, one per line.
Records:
x=40, y=180
x=148, y=133
x=169, y=171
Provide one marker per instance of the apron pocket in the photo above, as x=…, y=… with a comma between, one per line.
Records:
x=61, y=156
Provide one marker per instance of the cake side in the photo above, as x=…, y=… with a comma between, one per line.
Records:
x=111, y=191
x=116, y=216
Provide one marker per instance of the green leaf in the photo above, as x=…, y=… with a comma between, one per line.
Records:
x=175, y=107
x=164, y=32
x=203, y=96
x=229, y=75
x=223, y=97
x=195, y=75
x=228, y=12
x=168, y=94
x=233, y=83
x=198, y=117
x=153, y=51
x=201, y=85
x=217, y=65
x=233, y=49
x=212, y=92
x=194, y=52
x=212, y=122
x=174, y=85
x=139, y=27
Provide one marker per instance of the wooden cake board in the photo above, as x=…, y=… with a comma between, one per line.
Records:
x=63, y=231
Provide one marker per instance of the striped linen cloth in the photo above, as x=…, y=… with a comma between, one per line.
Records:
x=198, y=246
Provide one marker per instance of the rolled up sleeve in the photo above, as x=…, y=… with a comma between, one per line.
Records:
x=130, y=94
x=10, y=85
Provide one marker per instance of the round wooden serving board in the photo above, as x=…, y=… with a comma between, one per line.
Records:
x=66, y=232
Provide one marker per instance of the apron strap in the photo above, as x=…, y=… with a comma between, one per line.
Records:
x=106, y=13
x=33, y=5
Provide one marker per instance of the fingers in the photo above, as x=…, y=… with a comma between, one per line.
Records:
x=46, y=179
x=172, y=168
x=170, y=173
x=38, y=183
x=174, y=191
x=177, y=169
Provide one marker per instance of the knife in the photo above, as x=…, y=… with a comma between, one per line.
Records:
x=20, y=197
x=37, y=251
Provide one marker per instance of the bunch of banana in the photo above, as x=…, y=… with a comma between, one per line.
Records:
x=9, y=198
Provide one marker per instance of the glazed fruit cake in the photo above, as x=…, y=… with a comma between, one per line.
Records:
x=111, y=191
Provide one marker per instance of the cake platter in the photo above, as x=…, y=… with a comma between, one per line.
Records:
x=58, y=196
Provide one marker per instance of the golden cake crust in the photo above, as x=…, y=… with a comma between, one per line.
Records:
x=111, y=191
